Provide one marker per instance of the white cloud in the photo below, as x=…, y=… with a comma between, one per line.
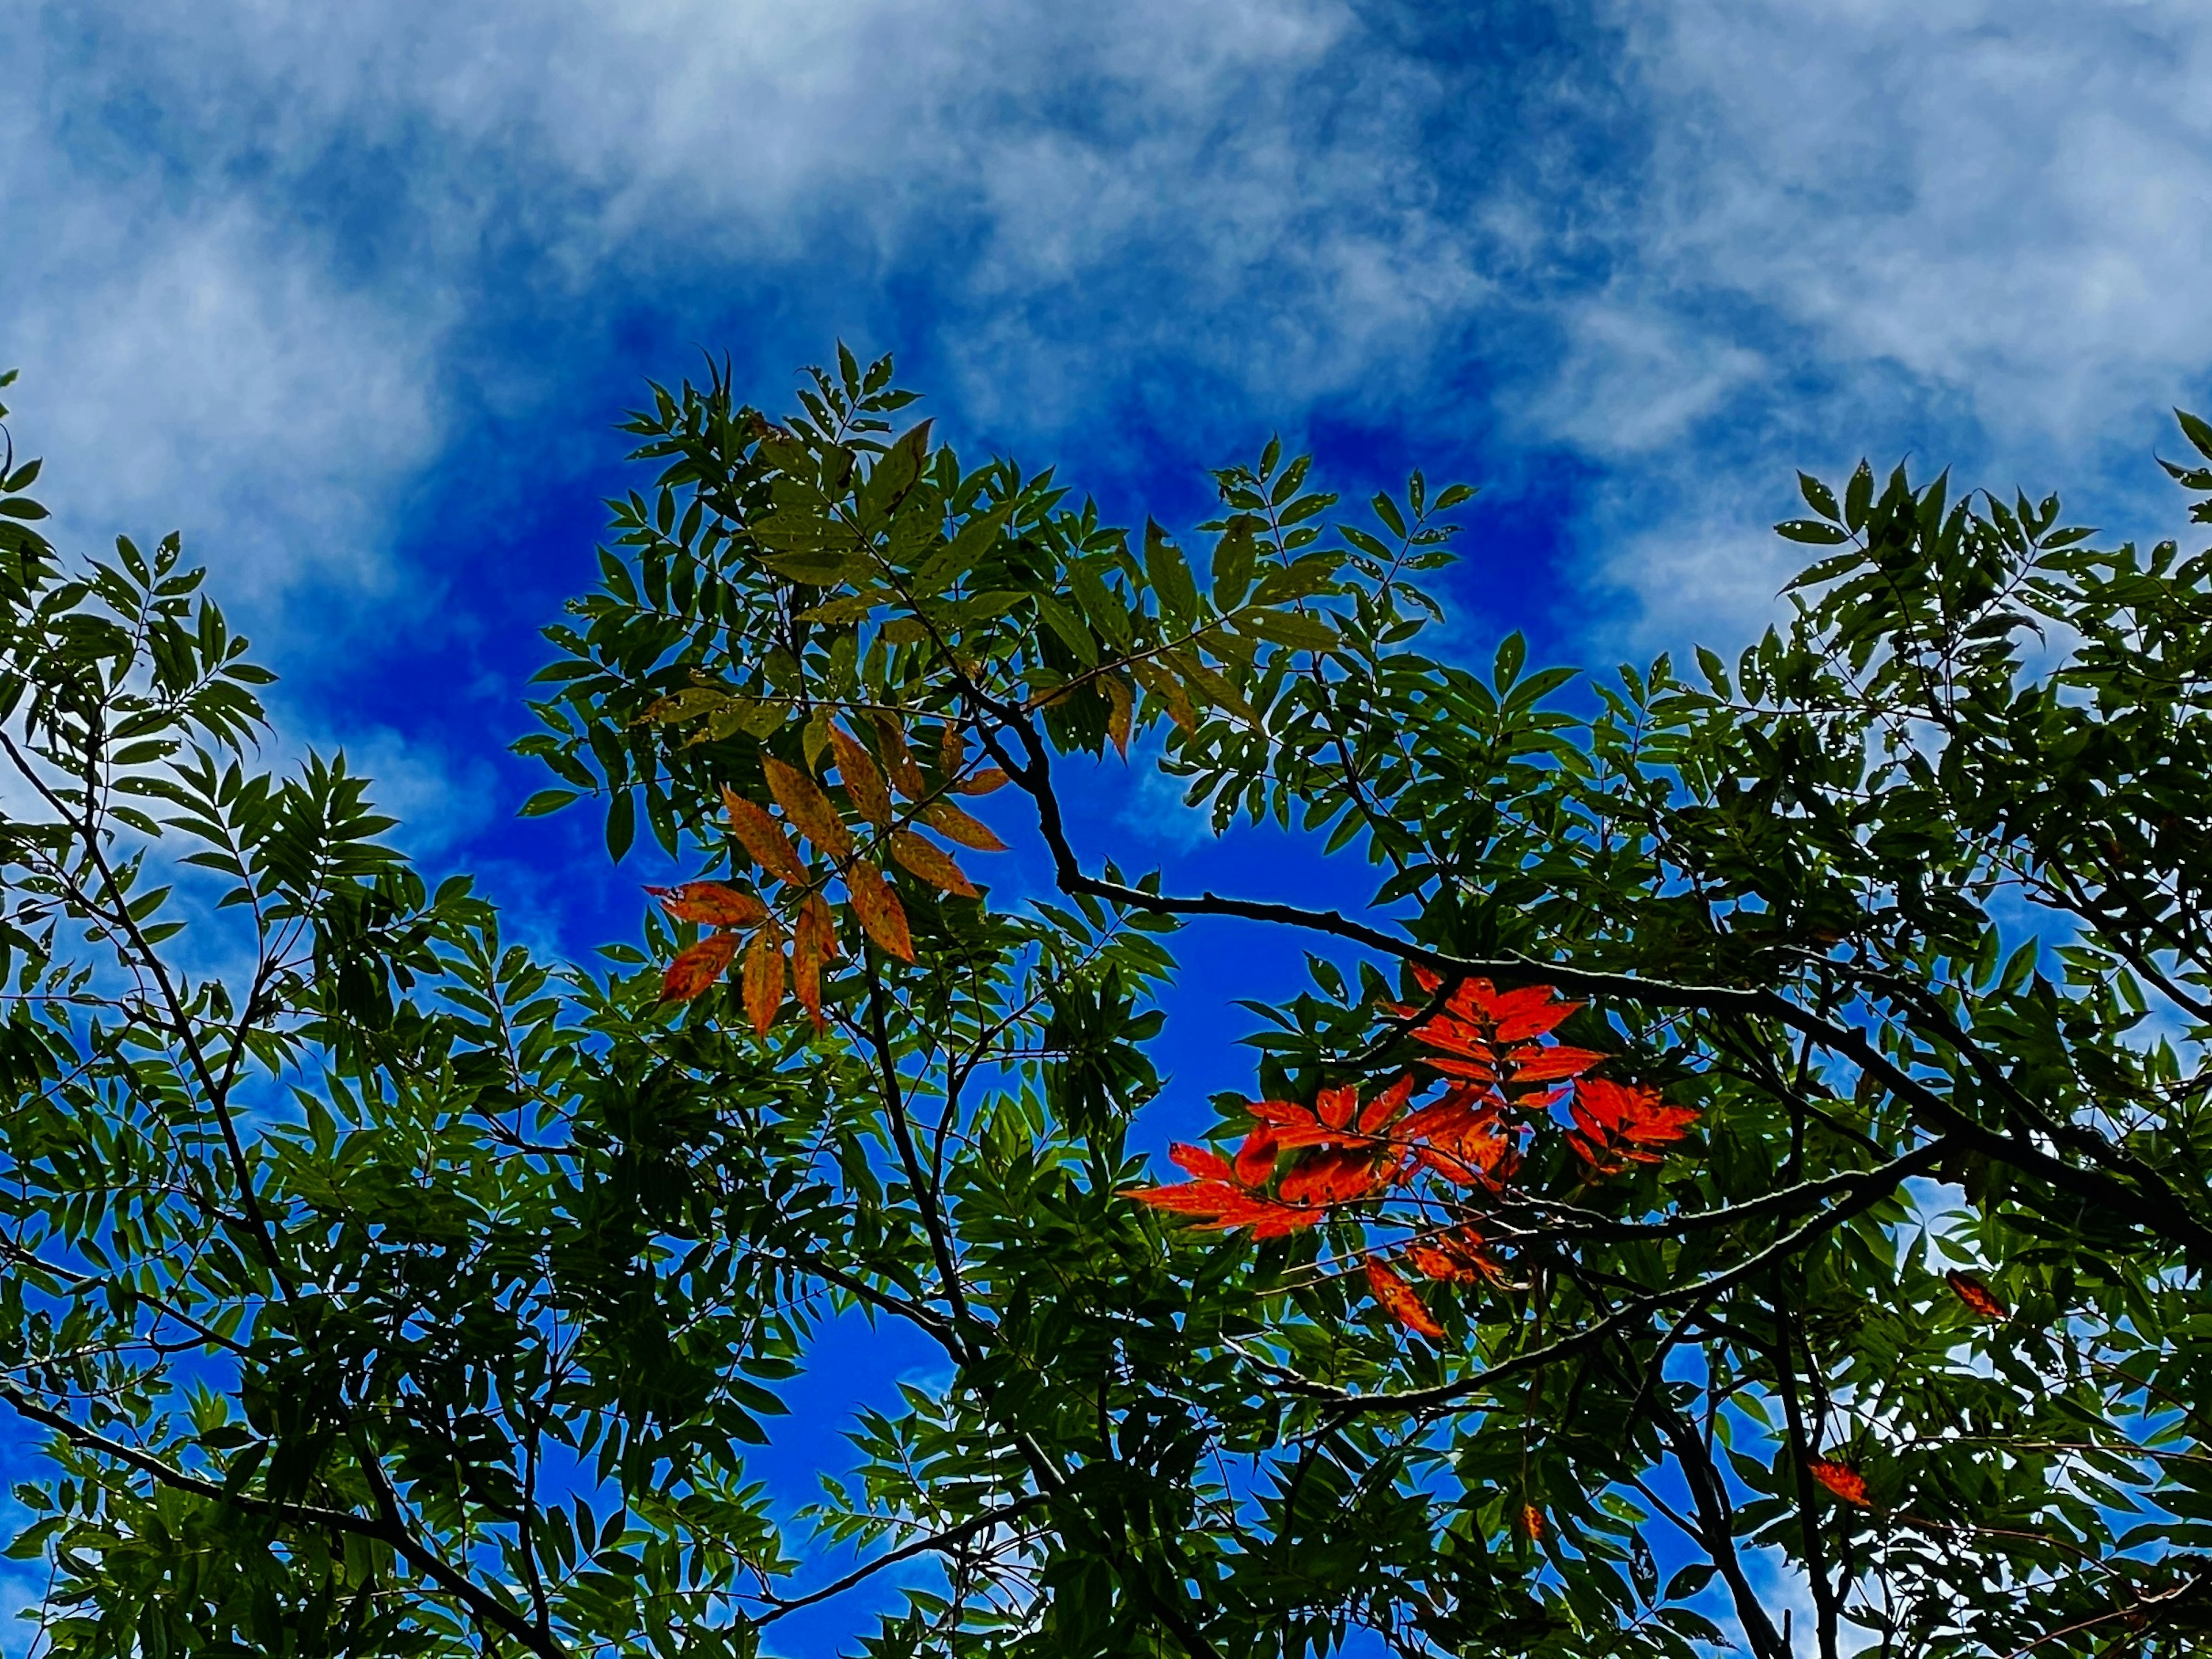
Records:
x=1974, y=229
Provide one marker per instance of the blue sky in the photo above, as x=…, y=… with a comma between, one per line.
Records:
x=352, y=294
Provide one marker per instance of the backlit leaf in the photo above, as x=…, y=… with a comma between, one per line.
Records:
x=763, y=979
x=712, y=902
x=1398, y=1300
x=879, y=908
x=950, y=822
x=808, y=808
x=863, y=783
x=763, y=837
x=929, y=862
x=696, y=968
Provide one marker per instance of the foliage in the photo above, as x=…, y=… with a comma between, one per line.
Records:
x=1768, y=1112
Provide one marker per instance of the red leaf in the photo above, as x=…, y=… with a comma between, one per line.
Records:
x=1841, y=1478
x=1977, y=1296
x=1203, y=1198
x=1548, y=1065
x=1458, y=1257
x=1334, y=1176
x=1386, y=1106
x=1336, y=1105
x=696, y=968
x=1256, y=1158
x=1203, y=1162
x=1397, y=1297
x=1531, y=1521
x=711, y=902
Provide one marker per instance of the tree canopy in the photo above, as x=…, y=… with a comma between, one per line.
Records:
x=1764, y=1118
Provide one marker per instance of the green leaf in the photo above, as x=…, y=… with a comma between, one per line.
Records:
x=1812, y=531
x=1170, y=576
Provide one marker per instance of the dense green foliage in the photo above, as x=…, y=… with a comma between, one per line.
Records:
x=383, y=1292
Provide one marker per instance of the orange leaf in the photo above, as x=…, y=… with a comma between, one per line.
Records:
x=1397, y=1297
x=1202, y=1161
x=805, y=805
x=985, y=780
x=712, y=902
x=764, y=979
x=817, y=923
x=1532, y=1522
x=763, y=838
x=1548, y=1065
x=931, y=862
x=879, y=908
x=696, y=968
x=1256, y=1158
x=950, y=822
x=1841, y=1478
x=863, y=782
x=806, y=970
x=1117, y=717
x=898, y=759
x=1337, y=1104
x=1977, y=1296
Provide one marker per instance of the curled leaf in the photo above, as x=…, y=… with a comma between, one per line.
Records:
x=1531, y=1521
x=954, y=824
x=1398, y=1300
x=807, y=807
x=931, y=862
x=1976, y=1295
x=696, y=968
x=1256, y=1158
x=1841, y=1478
x=864, y=784
x=985, y=780
x=712, y=902
x=879, y=908
x=763, y=838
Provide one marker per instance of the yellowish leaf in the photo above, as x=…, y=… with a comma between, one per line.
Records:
x=898, y=759
x=864, y=784
x=950, y=822
x=696, y=968
x=763, y=837
x=763, y=979
x=1117, y=718
x=807, y=806
x=931, y=862
x=879, y=908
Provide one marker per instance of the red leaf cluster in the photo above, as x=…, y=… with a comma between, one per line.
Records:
x=1501, y=1077
x=1620, y=1123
